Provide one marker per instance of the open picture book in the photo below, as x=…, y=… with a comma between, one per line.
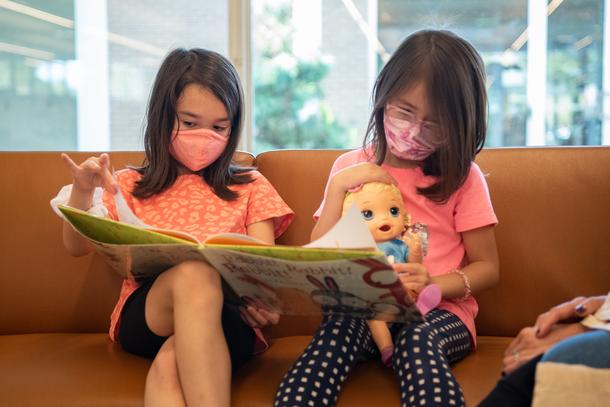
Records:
x=342, y=273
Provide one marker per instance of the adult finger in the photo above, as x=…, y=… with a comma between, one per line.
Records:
x=515, y=343
x=514, y=361
x=589, y=305
x=558, y=313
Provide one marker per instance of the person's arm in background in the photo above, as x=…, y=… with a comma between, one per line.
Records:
x=548, y=330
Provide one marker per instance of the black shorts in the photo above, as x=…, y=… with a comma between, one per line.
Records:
x=136, y=337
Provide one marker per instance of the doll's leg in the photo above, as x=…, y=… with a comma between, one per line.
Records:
x=422, y=354
x=383, y=339
x=316, y=378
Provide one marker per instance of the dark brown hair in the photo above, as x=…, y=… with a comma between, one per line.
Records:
x=453, y=75
x=180, y=68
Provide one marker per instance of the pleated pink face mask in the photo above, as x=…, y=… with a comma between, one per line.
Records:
x=407, y=137
x=196, y=149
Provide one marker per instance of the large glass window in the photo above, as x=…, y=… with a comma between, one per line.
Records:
x=315, y=62
x=76, y=74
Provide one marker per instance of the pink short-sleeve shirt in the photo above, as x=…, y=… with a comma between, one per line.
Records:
x=467, y=209
x=191, y=206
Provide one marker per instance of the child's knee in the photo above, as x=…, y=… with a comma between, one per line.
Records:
x=417, y=335
x=196, y=277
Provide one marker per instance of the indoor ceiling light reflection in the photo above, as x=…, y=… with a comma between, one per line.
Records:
x=522, y=38
x=366, y=29
x=25, y=51
x=36, y=13
x=583, y=42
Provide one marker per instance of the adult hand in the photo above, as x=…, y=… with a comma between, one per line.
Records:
x=528, y=345
x=413, y=276
x=579, y=307
x=91, y=173
x=258, y=317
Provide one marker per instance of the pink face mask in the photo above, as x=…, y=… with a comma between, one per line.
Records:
x=407, y=137
x=196, y=149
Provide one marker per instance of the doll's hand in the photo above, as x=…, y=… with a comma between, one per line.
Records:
x=413, y=276
x=356, y=175
x=91, y=173
x=258, y=317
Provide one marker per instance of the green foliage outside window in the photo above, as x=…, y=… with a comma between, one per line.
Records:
x=290, y=110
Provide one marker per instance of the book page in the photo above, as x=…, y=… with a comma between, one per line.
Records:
x=363, y=286
x=106, y=230
x=235, y=239
x=350, y=232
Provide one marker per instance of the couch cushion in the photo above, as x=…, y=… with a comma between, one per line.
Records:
x=89, y=370
x=256, y=383
x=69, y=370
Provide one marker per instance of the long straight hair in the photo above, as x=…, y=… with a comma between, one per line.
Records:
x=180, y=68
x=453, y=75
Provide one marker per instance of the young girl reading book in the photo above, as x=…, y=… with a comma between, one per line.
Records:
x=188, y=183
x=428, y=123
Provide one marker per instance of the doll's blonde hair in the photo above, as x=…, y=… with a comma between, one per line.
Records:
x=350, y=197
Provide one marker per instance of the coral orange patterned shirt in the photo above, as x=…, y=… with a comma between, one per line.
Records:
x=191, y=206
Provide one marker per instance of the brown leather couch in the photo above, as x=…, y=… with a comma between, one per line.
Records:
x=553, y=236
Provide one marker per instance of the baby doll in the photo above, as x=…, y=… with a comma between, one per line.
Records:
x=383, y=210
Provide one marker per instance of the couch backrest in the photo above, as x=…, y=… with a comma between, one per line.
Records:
x=553, y=235
x=42, y=288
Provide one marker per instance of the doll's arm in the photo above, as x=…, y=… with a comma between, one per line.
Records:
x=416, y=251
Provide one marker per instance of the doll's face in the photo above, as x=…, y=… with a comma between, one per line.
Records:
x=383, y=212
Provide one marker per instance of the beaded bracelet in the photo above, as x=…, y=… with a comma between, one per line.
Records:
x=467, y=290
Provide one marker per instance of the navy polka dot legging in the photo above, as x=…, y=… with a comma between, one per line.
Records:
x=422, y=354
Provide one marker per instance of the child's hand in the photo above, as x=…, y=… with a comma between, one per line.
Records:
x=258, y=317
x=413, y=276
x=356, y=175
x=92, y=173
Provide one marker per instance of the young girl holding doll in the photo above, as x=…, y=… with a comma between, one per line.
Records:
x=428, y=123
x=188, y=183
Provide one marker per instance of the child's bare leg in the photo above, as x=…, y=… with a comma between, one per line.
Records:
x=186, y=301
x=163, y=386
